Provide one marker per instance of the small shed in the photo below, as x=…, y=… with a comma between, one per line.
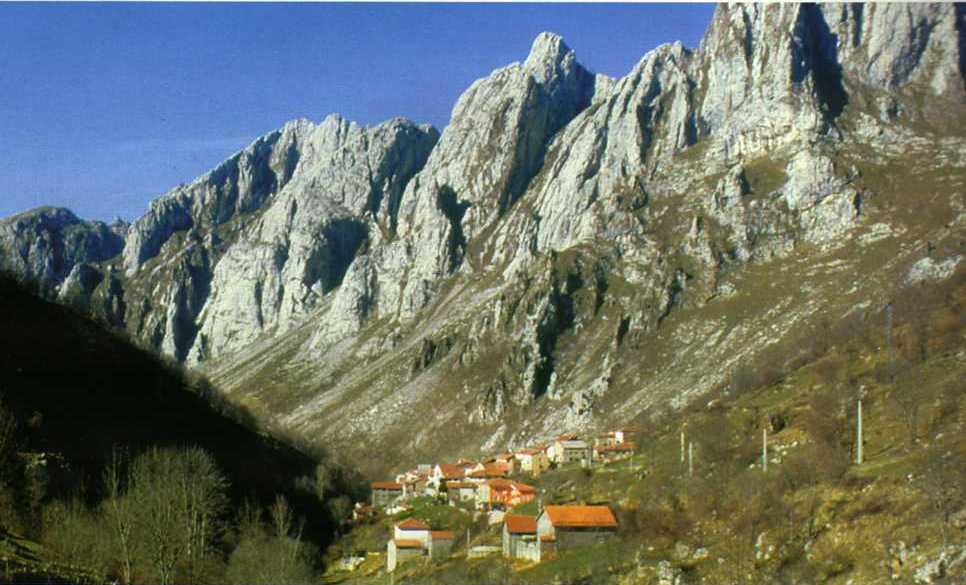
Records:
x=520, y=537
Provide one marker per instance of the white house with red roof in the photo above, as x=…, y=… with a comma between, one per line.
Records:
x=413, y=538
x=532, y=461
x=443, y=472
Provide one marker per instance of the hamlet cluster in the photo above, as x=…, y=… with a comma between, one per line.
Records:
x=494, y=486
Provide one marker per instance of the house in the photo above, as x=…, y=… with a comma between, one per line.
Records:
x=507, y=459
x=520, y=537
x=399, y=551
x=386, y=493
x=563, y=527
x=503, y=493
x=413, y=538
x=493, y=470
x=415, y=481
x=548, y=451
x=461, y=491
x=444, y=472
x=440, y=544
x=520, y=493
x=410, y=539
x=363, y=512
x=618, y=437
x=613, y=452
x=532, y=461
x=412, y=529
x=567, y=450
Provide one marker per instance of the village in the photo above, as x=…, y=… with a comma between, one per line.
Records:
x=495, y=487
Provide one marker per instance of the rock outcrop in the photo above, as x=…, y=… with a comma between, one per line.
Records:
x=573, y=249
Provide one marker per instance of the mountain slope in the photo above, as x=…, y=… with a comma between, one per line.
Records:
x=82, y=393
x=572, y=250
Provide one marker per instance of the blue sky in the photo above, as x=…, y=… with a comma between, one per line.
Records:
x=105, y=106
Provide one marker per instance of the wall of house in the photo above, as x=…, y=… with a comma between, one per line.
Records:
x=440, y=549
x=382, y=498
x=520, y=546
x=527, y=549
x=420, y=535
x=397, y=556
x=575, y=455
x=572, y=537
x=507, y=537
x=544, y=527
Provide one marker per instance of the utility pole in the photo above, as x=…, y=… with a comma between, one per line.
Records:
x=690, y=459
x=858, y=433
x=890, y=369
x=764, y=448
x=682, y=446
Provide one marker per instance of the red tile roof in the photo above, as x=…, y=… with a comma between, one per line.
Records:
x=497, y=468
x=517, y=524
x=451, y=471
x=408, y=543
x=442, y=534
x=524, y=488
x=386, y=485
x=492, y=470
x=581, y=516
x=412, y=524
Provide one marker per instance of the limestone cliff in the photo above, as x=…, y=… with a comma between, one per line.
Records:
x=572, y=250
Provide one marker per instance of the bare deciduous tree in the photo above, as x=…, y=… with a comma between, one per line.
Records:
x=179, y=496
x=120, y=515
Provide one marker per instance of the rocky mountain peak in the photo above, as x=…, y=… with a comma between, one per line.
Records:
x=388, y=270
x=549, y=57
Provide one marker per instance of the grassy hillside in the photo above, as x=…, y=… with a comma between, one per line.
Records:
x=815, y=515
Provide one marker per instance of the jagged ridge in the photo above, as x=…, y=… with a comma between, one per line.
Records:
x=550, y=235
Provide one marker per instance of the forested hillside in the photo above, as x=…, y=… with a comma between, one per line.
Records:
x=97, y=432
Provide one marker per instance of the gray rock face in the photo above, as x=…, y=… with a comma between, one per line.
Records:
x=929, y=269
x=527, y=258
x=347, y=184
x=493, y=146
x=239, y=185
x=47, y=245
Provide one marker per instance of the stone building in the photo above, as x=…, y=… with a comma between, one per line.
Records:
x=563, y=527
x=571, y=451
x=386, y=493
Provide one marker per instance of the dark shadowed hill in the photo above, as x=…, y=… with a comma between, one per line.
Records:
x=80, y=390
